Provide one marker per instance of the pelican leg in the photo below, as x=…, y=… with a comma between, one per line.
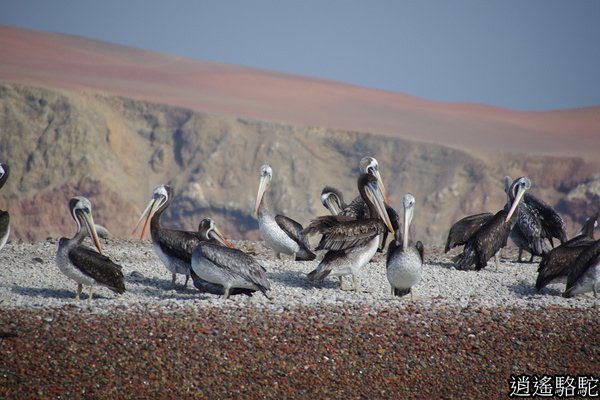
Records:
x=173, y=281
x=495, y=261
x=294, y=257
x=187, y=278
x=91, y=295
x=341, y=278
x=79, y=289
x=520, y=255
x=226, y=295
x=356, y=282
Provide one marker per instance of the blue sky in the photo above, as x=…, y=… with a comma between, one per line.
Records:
x=527, y=55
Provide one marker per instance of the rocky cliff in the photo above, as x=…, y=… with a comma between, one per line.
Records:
x=115, y=150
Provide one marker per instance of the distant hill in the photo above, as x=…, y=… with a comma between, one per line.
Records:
x=109, y=122
x=70, y=62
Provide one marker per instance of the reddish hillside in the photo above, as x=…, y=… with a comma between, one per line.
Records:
x=62, y=61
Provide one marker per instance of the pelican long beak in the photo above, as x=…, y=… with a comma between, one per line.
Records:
x=382, y=187
x=148, y=213
x=408, y=214
x=520, y=193
x=332, y=205
x=378, y=199
x=221, y=238
x=88, y=221
x=262, y=188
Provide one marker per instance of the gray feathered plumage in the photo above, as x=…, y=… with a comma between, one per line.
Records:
x=230, y=268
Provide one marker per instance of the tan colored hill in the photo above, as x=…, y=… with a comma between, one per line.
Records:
x=75, y=118
x=70, y=62
x=115, y=150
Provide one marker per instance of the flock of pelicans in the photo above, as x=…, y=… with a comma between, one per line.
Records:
x=351, y=235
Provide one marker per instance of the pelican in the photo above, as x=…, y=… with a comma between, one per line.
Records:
x=556, y=265
x=333, y=200
x=207, y=228
x=82, y=264
x=351, y=243
x=4, y=216
x=462, y=229
x=585, y=273
x=492, y=235
x=174, y=247
x=537, y=222
x=229, y=268
x=280, y=233
x=404, y=262
x=357, y=207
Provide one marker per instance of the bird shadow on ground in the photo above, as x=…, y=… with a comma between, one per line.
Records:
x=550, y=291
x=155, y=283
x=523, y=288
x=298, y=279
x=45, y=292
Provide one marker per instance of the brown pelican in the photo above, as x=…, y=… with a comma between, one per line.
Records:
x=492, y=235
x=82, y=264
x=556, y=264
x=357, y=207
x=333, y=200
x=229, y=268
x=537, y=223
x=404, y=262
x=280, y=233
x=174, y=247
x=462, y=229
x=585, y=273
x=351, y=242
x=4, y=216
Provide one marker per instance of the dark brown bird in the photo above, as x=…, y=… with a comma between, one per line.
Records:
x=492, y=236
x=537, y=225
x=462, y=229
x=585, y=273
x=556, y=265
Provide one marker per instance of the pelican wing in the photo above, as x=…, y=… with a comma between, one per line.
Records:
x=485, y=242
x=340, y=233
x=235, y=263
x=293, y=229
x=214, y=288
x=421, y=250
x=558, y=261
x=530, y=224
x=179, y=244
x=552, y=224
x=585, y=260
x=462, y=229
x=99, y=267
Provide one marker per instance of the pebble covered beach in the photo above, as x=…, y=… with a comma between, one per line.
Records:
x=465, y=334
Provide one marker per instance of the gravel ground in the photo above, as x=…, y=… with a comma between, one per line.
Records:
x=464, y=334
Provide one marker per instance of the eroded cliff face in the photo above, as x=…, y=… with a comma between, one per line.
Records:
x=116, y=150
